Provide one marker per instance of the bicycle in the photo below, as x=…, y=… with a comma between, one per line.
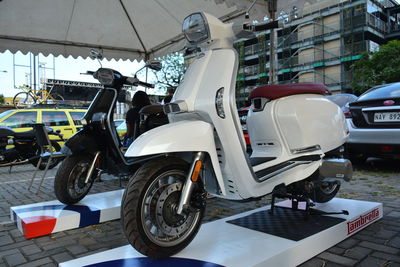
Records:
x=29, y=98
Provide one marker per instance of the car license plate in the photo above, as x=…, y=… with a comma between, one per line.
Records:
x=387, y=117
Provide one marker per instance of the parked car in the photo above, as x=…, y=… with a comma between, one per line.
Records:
x=66, y=120
x=374, y=124
x=243, y=117
x=342, y=100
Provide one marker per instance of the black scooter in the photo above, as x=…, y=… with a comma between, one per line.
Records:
x=24, y=148
x=96, y=148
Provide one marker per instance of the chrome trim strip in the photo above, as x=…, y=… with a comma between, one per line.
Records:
x=295, y=164
x=380, y=108
x=305, y=149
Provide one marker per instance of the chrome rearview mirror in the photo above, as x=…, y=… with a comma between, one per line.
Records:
x=96, y=54
x=154, y=65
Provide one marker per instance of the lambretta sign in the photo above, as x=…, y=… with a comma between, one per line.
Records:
x=362, y=221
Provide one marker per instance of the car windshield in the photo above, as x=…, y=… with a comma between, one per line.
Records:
x=342, y=99
x=5, y=113
x=386, y=91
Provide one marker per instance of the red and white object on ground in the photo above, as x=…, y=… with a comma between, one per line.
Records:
x=45, y=218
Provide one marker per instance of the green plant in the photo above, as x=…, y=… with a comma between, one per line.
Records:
x=380, y=67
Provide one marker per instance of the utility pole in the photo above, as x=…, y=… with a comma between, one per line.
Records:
x=272, y=9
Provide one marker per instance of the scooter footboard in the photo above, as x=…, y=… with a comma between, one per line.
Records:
x=182, y=136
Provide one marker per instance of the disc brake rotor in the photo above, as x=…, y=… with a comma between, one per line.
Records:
x=78, y=184
x=170, y=222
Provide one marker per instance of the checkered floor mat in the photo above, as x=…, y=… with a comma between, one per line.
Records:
x=287, y=223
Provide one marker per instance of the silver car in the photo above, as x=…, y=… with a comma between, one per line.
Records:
x=374, y=124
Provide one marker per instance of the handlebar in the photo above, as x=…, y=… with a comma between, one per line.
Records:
x=136, y=81
x=56, y=132
x=89, y=72
x=149, y=85
x=111, y=77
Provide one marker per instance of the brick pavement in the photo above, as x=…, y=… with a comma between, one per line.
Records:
x=377, y=245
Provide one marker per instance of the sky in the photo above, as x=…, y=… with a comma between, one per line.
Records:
x=60, y=68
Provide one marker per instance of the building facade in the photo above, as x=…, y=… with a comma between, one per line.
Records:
x=319, y=45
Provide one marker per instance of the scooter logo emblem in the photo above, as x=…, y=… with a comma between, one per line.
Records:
x=362, y=221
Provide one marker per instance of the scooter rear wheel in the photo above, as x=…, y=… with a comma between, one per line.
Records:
x=148, y=210
x=69, y=183
x=325, y=192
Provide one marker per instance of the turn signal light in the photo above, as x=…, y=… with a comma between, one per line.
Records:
x=346, y=112
x=196, y=171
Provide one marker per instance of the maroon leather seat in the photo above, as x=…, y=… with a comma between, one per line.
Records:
x=275, y=91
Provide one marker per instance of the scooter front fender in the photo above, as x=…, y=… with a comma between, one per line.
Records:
x=182, y=136
x=81, y=142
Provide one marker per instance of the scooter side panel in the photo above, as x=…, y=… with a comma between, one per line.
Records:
x=308, y=120
x=182, y=136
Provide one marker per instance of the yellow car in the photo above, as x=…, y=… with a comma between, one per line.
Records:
x=67, y=120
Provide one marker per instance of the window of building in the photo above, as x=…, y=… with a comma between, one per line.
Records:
x=372, y=7
x=55, y=118
x=21, y=119
x=373, y=47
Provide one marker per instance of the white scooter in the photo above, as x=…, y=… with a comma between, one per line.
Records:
x=295, y=134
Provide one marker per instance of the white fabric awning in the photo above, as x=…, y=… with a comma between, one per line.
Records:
x=121, y=29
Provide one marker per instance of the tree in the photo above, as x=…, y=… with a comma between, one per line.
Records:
x=2, y=100
x=172, y=71
x=380, y=67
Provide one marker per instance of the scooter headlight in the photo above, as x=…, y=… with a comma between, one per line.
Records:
x=195, y=28
x=219, y=102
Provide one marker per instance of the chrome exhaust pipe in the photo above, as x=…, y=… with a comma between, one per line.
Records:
x=336, y=169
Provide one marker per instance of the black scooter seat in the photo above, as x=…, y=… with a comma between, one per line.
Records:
x=27, y=134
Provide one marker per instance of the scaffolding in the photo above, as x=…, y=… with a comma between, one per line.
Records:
x=319, y=45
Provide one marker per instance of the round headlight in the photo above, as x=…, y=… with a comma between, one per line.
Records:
x=195, y=28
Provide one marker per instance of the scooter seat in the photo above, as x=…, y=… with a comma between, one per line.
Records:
x=275, y=91
x=27, y=134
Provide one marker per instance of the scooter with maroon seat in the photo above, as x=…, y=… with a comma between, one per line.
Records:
x=295, y=132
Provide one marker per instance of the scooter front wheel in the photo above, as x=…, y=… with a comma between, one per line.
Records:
x=69, y=183
x=149, y=209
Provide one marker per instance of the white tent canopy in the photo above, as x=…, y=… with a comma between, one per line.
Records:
x=121, y=29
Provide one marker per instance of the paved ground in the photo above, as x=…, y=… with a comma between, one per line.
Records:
x=377, y=245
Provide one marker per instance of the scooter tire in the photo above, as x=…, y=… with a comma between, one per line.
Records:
x=133, y=212
x=323, y=195
x=65, y=178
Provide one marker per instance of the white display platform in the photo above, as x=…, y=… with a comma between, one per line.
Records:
x=50, y=217
x=220, y=243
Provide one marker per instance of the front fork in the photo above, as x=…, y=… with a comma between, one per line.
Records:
x=191, y=180
x=92, y=166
